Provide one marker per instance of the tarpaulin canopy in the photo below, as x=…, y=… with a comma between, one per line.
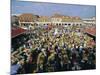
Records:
x=15, y=31
x=91, y=31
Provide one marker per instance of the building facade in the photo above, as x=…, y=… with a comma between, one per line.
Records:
x=60, y=20
x=30, y=21
x=26, y=21
x=90, y=21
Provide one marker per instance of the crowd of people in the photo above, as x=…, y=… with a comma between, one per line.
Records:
x=54, y=50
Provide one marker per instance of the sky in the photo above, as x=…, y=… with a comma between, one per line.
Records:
x=48, y=9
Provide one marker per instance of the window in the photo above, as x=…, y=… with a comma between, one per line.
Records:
x=59, y=24
x=77, y=24
x=69, y=24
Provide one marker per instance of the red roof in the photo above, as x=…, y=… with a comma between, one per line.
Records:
x=15, y=31
x=91, y=31
x=26, y=17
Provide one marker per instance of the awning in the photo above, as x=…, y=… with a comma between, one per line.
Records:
x=15, y=31
x=91, y=31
